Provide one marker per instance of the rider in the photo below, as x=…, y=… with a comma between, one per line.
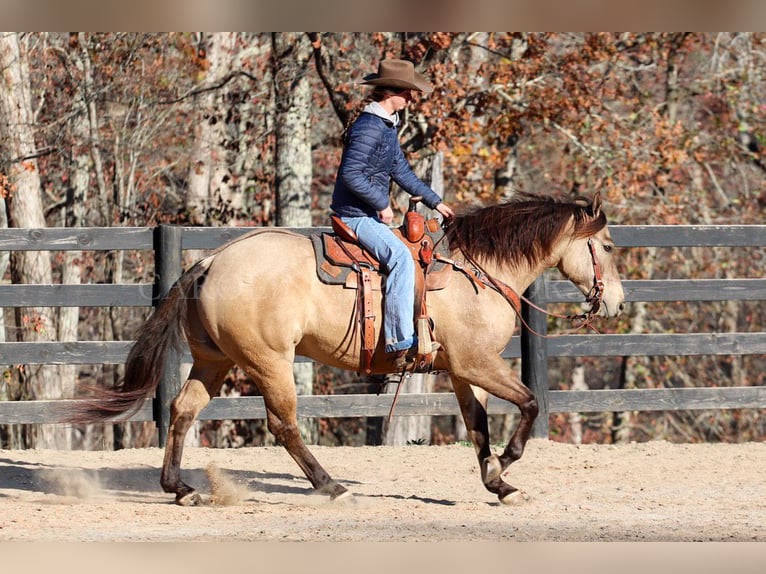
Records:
x=372, y=157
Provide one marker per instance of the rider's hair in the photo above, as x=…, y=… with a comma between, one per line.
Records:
x=378, y=94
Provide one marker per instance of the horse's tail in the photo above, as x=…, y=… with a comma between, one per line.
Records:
x=162, y=332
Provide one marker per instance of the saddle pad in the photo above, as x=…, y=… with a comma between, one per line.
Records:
x=331, y=273
x=335, y=268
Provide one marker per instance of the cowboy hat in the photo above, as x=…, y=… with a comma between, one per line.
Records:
x=398, y=74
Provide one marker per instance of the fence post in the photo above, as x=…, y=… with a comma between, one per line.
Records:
x=167, y=269
x=534, y=354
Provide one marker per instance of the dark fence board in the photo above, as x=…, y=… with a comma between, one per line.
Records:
x=138, y=295
x=70, y=238
x=121, y=238
x=657, y=344
x=337, y=406
x=47, y=411
x=86, y=295
x=434, y=404
x=623, y=235
x=212, y=237
x=697, y=398
x=670, y=290
x=65, y=353
x=689, y=235
x=605, y=345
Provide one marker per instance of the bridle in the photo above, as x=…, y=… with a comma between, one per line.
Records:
x=596, y=294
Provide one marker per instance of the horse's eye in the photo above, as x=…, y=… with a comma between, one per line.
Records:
x=608, y=248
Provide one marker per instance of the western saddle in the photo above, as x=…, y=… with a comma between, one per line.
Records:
x=341, y=260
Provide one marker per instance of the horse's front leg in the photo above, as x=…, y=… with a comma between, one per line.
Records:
x=523, y=398
x=472, y=397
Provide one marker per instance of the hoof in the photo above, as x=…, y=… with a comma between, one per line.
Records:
x=514, y=498
x=491, y=469
x=334, y=490
x=343, y=496
x=189, y=499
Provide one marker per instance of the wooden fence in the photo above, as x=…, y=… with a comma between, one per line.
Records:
x=168, y=242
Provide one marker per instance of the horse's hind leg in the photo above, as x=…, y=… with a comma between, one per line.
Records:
x=204, y=382
x=284, y=427
x=276, y=383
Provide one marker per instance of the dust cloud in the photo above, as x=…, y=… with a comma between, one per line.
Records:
x=223, y=490
x=74, y=483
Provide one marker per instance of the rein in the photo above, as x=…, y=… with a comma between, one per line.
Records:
x=481, y=278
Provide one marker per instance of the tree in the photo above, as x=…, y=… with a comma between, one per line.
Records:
x=291, y=55
x=25, y=209
x=209, y=173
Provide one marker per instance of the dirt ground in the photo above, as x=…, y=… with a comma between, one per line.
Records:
x=639, y=492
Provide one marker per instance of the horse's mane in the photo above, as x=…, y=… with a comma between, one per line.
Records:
x=522, y=229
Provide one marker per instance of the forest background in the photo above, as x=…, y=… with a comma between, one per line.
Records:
x=244, y=129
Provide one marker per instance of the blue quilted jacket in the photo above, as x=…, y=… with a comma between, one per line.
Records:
x=371, y=158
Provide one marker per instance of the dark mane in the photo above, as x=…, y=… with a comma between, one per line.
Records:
x=523, y=229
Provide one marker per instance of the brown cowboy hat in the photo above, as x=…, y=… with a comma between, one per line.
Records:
x=398, y=74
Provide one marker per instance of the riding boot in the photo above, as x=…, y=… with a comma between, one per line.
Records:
x=409, y=357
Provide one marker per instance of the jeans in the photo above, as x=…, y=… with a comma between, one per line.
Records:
x=399, y=288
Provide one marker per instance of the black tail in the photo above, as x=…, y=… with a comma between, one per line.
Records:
x=163, y=331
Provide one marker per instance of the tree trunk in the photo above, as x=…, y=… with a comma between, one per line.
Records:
x=291, y=56
x=575, y=419
x=25, y=209
x=86, y=162
x=71, y=272
x=210, y=175
x=208, y=187
x=10, y=435
x=81, y=164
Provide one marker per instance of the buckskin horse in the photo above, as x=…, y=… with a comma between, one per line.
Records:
x=257, y=302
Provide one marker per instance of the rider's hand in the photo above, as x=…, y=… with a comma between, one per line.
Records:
x=387, y=215
x=445, y=210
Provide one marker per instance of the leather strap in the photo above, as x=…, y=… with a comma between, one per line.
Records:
x=368, y=321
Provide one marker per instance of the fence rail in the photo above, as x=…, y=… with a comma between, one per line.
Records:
x=168, y=242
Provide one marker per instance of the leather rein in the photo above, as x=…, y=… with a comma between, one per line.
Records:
x=481, y=278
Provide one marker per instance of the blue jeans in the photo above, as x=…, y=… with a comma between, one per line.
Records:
x=399, y=288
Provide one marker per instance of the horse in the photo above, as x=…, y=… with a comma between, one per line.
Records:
x=257, y=302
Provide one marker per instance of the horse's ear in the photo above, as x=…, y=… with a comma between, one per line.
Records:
x=597, y=204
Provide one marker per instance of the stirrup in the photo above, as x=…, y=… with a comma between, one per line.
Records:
x=409, y=358
x=423, y=328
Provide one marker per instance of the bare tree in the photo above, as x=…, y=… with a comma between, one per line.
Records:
x=209, y=175
x=73, y=212
x=291, y=53
x=25, y=209
x=10, y=435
